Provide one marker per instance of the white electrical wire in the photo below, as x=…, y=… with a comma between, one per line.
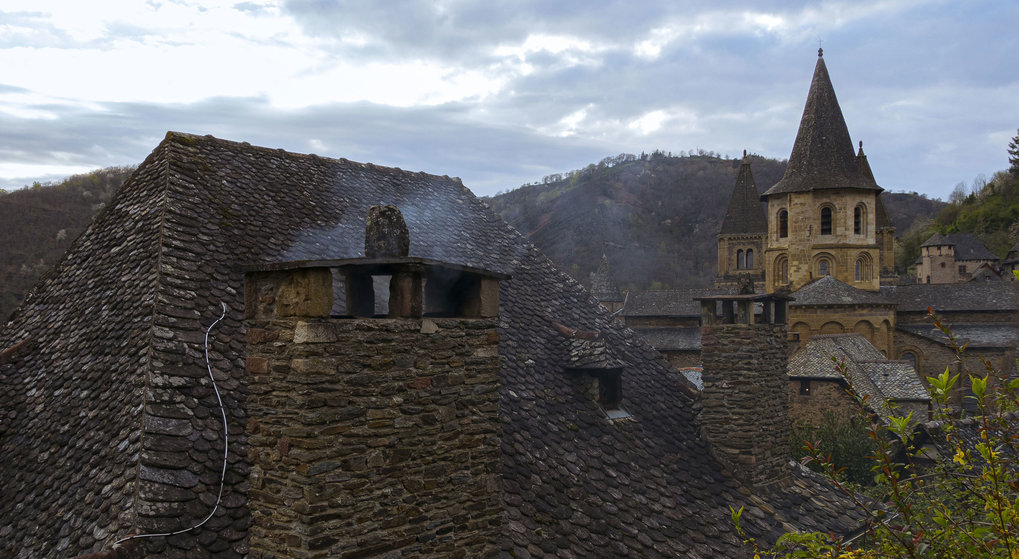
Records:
x=226, y=446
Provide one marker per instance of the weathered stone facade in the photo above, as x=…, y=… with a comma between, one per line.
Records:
x=369, y=436
x=745, y=411
x=810, y=398
x=875, y=322
x=812, y=248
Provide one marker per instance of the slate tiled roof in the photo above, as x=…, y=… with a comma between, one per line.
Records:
x=951, y=297
x=830, y=291
x=967, y=246
x=678, y=302
x=822, y=155
x=866, y=367
x=110, y=424
x=745, y=214
x=672, y=339
x=603, y=285
x=987, y=335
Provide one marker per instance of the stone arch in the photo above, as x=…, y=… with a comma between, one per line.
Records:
x=914, y=355
x=823, y=265
x=864, y=268
x=860, y=219
x=866, y=328
x=802, y=331
x=782, y=270
x=832, y=327
x=826, y=214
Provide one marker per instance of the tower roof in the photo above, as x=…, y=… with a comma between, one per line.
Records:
x=745, y=214
x=603, y=285
x=822, y=156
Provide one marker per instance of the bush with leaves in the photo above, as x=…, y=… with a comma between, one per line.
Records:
x=845, y=436
x=965, y=505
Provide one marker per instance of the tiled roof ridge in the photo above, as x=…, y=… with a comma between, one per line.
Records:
x=189, y=139
x=164, y=149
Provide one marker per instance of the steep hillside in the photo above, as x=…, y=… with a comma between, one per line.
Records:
x=37, y=224
x=654, y=216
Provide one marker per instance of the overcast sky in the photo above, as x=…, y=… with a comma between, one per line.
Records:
x=501, y=93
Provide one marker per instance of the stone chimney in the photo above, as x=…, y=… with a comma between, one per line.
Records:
x=745, y=408
x=373, y=436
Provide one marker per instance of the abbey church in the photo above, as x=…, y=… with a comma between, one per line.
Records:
x=825, y=236
x=822, y=234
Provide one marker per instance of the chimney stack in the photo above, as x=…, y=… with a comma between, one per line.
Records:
x=745, y=408
x=373, y=436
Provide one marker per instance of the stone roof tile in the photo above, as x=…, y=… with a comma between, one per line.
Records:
x=830, y=291
x=110, y=412
x=822, y=156
x=745, y=214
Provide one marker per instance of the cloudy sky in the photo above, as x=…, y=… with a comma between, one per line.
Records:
x=501, y=93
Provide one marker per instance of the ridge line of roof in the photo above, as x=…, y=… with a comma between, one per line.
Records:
x=189, y=139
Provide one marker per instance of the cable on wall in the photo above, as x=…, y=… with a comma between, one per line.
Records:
x=226, y=446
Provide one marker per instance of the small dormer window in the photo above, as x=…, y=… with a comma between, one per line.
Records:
x=610, y=391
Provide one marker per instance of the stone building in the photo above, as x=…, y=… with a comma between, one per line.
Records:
x=742, y=237
x=953, y=258
x=817, y=386
x=432, y=428
x=823, y=213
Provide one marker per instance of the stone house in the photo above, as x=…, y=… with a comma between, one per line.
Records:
x=953, y=258
x=817, y=386
x=449, y=425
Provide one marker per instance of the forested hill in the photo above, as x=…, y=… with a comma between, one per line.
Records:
x=655, y=216
x=38, y=223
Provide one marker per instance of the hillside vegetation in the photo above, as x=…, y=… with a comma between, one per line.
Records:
x=38, y=223
x=990, y=211
x=655, y=216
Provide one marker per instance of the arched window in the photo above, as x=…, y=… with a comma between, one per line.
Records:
x=783, y=223
x=826, y=220
x=783, y=270
x=740, y=260
x=863, y=267
x=750, y=258
x=909, y=356
x=822, y=268
x=860, y=220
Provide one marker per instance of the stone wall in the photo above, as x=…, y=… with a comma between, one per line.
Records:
x=805, y=244
x=824, y=395
x=745, y=408
x=371, y=436
x=874, y=322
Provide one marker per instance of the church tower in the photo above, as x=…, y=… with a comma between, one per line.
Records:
x=824, y=217
x=741, y=240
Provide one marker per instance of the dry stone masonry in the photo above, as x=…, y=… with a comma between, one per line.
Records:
x=745, y=413
x=368, y=436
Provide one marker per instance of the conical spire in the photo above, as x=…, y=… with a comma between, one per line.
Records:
x=603, y=285
x=822, y=156
x=745, y=214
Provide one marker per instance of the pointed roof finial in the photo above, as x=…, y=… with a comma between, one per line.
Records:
x=744, y=154
x=820, y=52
